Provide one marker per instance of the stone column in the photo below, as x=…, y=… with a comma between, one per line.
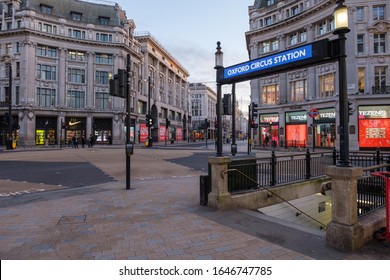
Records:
x=219, y=197
x=344, y=232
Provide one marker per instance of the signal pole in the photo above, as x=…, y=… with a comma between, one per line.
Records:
x=128, y=122
x=249, y=127
x=150, y=123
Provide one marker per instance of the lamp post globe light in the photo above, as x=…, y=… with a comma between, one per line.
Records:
x=341, y=28
x=219, y=68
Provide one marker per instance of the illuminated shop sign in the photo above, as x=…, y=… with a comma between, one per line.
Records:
x=326, y=115
x=374, y=112
x=275, y=60
x=296, y=117
x=269, y=118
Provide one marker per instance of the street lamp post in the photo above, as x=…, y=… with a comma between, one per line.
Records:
x=341, y=28
x=234, y=144
x=219, y=68
x=9, y=140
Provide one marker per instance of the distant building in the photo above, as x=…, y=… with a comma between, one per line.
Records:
x=285, y=99
x=169, y=92
x=203, y=102
x=63, y=54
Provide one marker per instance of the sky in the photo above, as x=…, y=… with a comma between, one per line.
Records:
x=190, y=29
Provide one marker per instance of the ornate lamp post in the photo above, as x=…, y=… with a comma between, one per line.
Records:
x=341, y=28
x=219, y=68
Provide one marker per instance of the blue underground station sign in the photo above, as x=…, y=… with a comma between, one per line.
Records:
x=303, y=56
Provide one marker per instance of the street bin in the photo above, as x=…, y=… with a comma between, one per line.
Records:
x=384, y=233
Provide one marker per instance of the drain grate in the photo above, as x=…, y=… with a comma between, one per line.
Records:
x=72, y=219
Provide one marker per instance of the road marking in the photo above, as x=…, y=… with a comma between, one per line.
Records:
x=21, y=192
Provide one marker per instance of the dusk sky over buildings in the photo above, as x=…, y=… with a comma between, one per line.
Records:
x=190, y=29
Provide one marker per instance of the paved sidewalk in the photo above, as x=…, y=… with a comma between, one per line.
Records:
x=155, y=220
x=159, y=218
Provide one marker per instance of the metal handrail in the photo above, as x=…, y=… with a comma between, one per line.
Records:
x=273, y=193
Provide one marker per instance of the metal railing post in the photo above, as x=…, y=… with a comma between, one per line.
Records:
x=388, y=162
x=334, y=156
x=273, y=169
x=378, y=156
x=308, y=161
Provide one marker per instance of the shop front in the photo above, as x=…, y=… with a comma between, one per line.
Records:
x=4, y=129
x=179, y=134
x=269, y=129
x=163, y=133
x=102, y=130
x=296, y=129
x=324, y=125
x=374, y=127
x=75, y=129
x=46, y=130
x=143, y=133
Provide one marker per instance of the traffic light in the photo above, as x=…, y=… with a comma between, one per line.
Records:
x=254, y=111
x=118, y=85
x=114, y=86
x=6, y=118
x=149, y=121
x=227, y=104
x=350, y=108
x=122, y=80
x=63, y=125
x=167, y=123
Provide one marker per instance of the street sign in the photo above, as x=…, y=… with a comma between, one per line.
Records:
x=306, y=55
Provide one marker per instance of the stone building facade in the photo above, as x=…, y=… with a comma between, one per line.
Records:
x=62, y=55
x=169, y=93
x=285, y=99
x=203, y=101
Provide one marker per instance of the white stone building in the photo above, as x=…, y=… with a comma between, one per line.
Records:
x=62, y=55
x=169, y=93
x=203, y=102
x=285, y=99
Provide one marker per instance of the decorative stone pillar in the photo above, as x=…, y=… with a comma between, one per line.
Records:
x=344, y=231
x=219, y=197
